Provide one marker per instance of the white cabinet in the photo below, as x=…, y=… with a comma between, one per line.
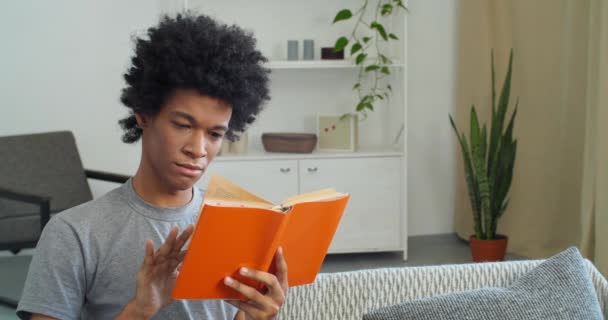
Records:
x=371, y=221
x=373, y=218
x=273, y=180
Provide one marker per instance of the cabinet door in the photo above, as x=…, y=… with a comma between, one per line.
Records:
x=371, y=221
x=273, y=180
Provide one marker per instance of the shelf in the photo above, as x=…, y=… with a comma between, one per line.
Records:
x=320, y=64
x=262, y=155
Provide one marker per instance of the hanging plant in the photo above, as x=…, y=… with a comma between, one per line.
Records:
x=374, y=34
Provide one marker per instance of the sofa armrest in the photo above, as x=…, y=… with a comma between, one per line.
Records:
x=44, y=202
x=106, y=176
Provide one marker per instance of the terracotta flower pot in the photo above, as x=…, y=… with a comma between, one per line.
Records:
x=488, y=250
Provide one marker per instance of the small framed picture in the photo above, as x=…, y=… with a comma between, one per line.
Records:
x=337, y=132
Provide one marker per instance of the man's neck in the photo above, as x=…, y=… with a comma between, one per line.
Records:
x=151, y=190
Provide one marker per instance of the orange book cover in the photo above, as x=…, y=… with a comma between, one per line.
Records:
x=238, y=229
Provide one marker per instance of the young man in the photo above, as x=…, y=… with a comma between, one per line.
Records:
x=192, y=83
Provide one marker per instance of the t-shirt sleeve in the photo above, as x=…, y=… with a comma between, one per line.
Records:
x=56, y=282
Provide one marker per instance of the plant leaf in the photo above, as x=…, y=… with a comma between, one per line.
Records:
x=344, y=14
x=363, y=103
x=385, y=70
x=380, y=28
x=393, y=36
x=471, y=180
x=484, y=139
x=366, y=39
x=356, y=47
x=361, y=57
x=498, y=123
x=359, y=106
x=340, y=44
x=505, y=164
x=372, y=67
x=493, y=83
x=385, y=59
x=356, y=86
x=479, y=165
x=387, y=9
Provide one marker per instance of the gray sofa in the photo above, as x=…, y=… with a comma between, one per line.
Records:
x=349, y=295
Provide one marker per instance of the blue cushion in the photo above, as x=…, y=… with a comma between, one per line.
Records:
x=558, y=288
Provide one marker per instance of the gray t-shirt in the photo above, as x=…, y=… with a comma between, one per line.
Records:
x=88, y=256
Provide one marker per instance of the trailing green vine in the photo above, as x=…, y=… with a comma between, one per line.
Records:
x=375, y=67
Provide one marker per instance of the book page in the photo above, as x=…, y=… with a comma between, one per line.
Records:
x=320, y=195
x=222, y=192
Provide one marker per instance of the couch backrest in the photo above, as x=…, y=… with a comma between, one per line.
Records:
x=349, y=295
x=45, y=164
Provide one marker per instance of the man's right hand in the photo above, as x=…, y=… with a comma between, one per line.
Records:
x=156, y=276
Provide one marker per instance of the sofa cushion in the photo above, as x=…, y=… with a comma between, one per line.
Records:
x=558, y=288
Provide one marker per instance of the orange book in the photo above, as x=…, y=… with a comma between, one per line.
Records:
x=238, y=229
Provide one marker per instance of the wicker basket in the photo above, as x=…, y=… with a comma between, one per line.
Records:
x=289, y=142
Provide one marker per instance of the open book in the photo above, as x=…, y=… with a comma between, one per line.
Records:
x=238, y=229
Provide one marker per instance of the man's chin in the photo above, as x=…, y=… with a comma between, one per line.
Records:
x=183, y=183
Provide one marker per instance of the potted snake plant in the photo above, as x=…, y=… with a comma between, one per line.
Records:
x=489, y=160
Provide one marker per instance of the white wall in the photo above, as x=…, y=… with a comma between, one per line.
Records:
x=431, y=157
x=62, y=63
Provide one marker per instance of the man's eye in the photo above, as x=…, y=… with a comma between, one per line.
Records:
x=181, y=125
x=216, y=135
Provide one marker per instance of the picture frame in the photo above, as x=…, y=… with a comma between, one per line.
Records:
x=337, y=132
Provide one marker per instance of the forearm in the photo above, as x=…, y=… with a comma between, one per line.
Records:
x=130, y=311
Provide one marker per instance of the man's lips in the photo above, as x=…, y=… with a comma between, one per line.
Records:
x=190, y=166
x=189, y=169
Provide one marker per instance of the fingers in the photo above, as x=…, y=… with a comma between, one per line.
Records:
x=174, y=263
x=171, y=248
x=167, y=246
x=261, y=305
x=275, y=295
x=183, y=238
x=181, y=256
x=248, y=308
x=247, y=291
x=268, y=279
x=281, y=267
x=149, y=257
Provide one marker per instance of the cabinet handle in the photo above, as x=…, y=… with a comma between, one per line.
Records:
x=312, y=169
x=285, y=170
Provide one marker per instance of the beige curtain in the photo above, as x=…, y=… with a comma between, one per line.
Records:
x=559, y=193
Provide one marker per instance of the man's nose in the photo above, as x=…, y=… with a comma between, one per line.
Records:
x=197, y=146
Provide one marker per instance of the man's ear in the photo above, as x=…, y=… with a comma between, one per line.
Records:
x=141, y=120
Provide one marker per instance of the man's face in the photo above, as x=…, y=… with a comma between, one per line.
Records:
x=183, y=138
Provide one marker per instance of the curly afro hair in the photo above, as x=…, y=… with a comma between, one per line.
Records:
x=195, y=52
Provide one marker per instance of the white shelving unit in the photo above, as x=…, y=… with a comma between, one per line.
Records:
x=319, y=64
x=263, y=155
x=374, y=175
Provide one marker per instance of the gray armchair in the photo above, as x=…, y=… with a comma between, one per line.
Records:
x=40, y=175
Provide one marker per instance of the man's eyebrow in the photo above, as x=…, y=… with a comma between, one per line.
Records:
x=193, y=121
x=183, y=115
x=220, y=128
